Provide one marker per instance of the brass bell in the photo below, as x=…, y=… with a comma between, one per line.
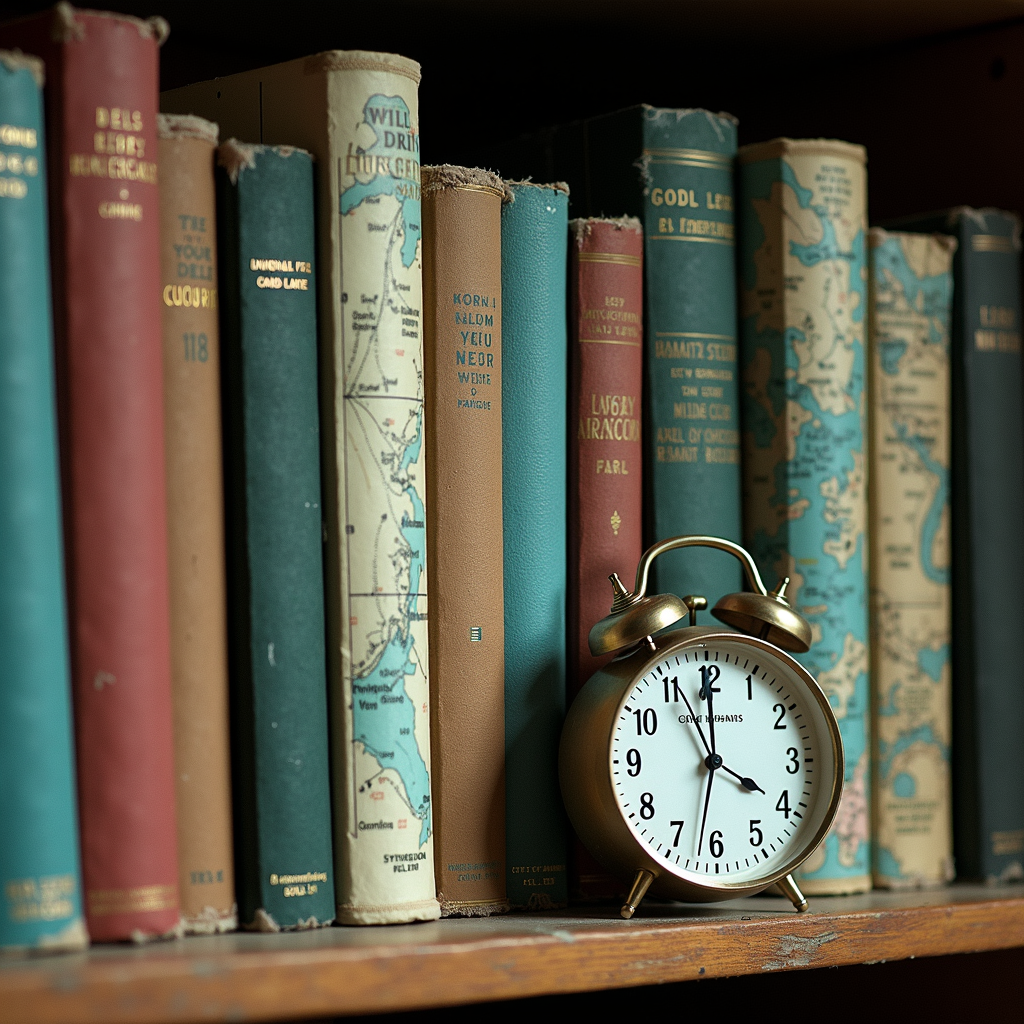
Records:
x=633, y=620
x=767, y=616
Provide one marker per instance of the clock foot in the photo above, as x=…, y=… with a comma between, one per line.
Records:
x=637, y=891
x=792, y=892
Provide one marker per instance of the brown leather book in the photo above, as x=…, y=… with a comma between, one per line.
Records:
x=605, y=454
x=462, y=359
x=195, y=522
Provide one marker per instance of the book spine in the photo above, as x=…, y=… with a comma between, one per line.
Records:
x=988, y=550
x=911, y=291
x=693, y=440
x=534, y=461
x=195, y=523
x=275, y=569
x=40, y=878
x=462, y=325
x=803, y=267
x=605, y=454
x=103, y=188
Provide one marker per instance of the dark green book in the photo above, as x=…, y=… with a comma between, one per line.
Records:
x=987, y=498
x=275, y=560
x=674, y=170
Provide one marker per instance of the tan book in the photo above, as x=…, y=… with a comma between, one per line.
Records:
x=462, y=364
x=195, y=522
x=911, y=294
x=358, y=114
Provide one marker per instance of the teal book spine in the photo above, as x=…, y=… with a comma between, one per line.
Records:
x=803, y=225
x=674, y=170
x=40, y=878
x=534, y=396
x=987, y=495
x=276, y=641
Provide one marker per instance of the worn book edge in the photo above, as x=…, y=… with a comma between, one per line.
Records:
x=187, y=126
x=441, y=177
x=781, y=147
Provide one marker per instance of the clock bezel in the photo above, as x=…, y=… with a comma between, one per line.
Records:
x=585, y=768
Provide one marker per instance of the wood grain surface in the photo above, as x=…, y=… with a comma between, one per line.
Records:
x=246, y=977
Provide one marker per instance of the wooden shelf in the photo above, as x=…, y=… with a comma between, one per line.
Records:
x=340, y=971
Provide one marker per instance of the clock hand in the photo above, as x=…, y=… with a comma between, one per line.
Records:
x=707, y=691
x=746, y=782
x=700, y=731
x=707, y=799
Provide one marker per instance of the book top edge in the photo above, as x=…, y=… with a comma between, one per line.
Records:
x=442, y=177
x=361, y=60
x=803, y=147
x=582, y=226
x=187, y=126
x=15, y=60
x=651, y=111
x=879, y=236
x=551, y=186
x=67, y=29
x=235, y=156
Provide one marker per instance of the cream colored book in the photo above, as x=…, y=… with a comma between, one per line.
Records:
x=357, y=113
x=911, y=291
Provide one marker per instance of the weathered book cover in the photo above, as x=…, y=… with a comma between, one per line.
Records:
x=534, y=461
x=803, y=302
x=40, y=878
x=910, y=293
x=195, y=522
x=988, y=547
x=275, y=559
x=674, y=170
x=605, y=531
x=462, y=310
x=357, y=113
x=101, y=106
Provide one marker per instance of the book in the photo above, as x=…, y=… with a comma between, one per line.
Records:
x=673, y=169
x=606, y=369
x=803, y=307
x=102, y=159
x=534, y=454
x=910, y=298
x=462, y=317
x=40, y=875
x=274, y=523
x=357, y=113
x=195, y=522
x=987, y=497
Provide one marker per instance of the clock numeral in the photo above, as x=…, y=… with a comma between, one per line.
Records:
x=756, y=835
x=634, y=762
x=781, y=708
x=794, y=761
x=717, y=846
x=648, y=723
x=708, y=675
x=750, y=687
x=647, y=806
x=678, y=826
x=783, y=804
x=677, y=693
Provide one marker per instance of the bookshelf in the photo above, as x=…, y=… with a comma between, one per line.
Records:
x=932, y=88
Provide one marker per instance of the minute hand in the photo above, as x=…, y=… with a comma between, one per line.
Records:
x=747, y=783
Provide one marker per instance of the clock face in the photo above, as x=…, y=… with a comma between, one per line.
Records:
x=722, y=762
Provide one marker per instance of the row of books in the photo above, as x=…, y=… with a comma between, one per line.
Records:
x=360, y=371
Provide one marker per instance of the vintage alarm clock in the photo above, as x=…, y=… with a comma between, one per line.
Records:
x=701, y=763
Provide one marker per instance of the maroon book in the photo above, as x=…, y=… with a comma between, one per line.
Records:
x=101, y=106
x=605, y=454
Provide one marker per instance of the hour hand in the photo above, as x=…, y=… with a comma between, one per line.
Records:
x=700, y=731
x=745, y=781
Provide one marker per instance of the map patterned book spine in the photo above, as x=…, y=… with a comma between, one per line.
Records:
x=910, y=298
x=101, y=106
x=462, y=323
x=195, y=522
x=803, y=306
x=693, y=431
x=534, y=229
x=40, y=877
x=357, y=113
x=606, y=369
x=275, y=558
x=988, y=547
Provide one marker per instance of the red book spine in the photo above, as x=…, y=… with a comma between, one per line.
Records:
x=605, y=455
x=102, y=96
